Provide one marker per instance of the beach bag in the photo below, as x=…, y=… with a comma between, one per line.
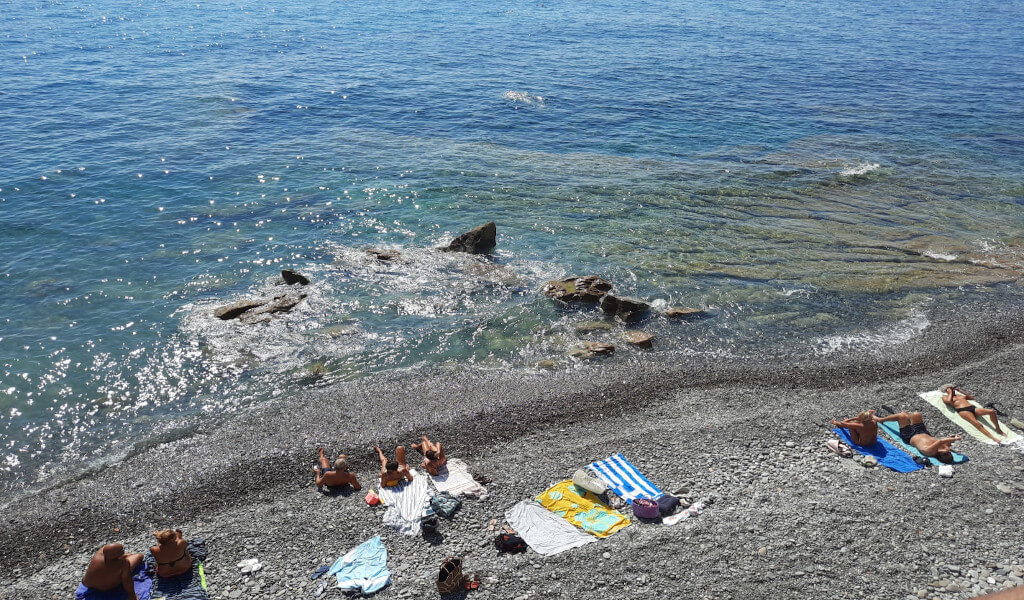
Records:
x=445, y=504
x=667, y=504
x=513, y=544
x=645, y=508
x=449, y=578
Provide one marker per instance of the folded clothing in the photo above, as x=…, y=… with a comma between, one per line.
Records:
x=364, y=568
x=582, y=509
x=624, y=479
x=887, y=454
x=141, y=580
x=934, y=398
x=893, y=431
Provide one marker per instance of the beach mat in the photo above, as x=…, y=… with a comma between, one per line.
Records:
x=934, y=398
x=892, y=429
x=624, y=479
x=582, y=509
x=888, y=455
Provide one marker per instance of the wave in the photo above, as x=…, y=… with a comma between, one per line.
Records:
x=860, y=169
x=899, y=333
x=524, y=97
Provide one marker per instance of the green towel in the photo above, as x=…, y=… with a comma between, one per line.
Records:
x=935, y=399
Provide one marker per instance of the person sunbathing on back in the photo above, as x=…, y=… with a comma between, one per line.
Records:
x=392, y=472
x=433, y=455
x=960, y=401
x=863, y=429
x=335, y=477
x=110, y=568
x=913, y=432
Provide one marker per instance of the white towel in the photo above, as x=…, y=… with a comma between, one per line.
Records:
x=543, y=530
x=407, y=504
x=455, y=479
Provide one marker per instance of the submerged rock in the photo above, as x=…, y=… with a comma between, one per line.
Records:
x=383, y=255
x=591, y=326
x=639, y=339
x=589, y=289
x=259, y=310
x=628, y=309
x=292, y=277
x=678, y=312
x=592, y=350
x=479, y=240
x=235, y=309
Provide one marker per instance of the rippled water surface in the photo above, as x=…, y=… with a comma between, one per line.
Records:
x=817, y=178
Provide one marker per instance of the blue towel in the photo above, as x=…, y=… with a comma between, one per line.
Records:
x=140, y=578
x=624, y=479
x=190, y=585
x=893, y=431
x=364, y=568
x=887, y=454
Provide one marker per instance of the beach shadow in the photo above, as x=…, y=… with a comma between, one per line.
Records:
x=344, y=492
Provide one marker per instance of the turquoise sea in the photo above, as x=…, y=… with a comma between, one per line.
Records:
x=819, y=177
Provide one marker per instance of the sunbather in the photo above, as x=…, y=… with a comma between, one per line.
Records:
x=960, y=401
x=913, y=432
x=110, y=568
x=335, y=477
x=171, y=555
x=863, y=429
x=392, y=472
x=433, y=455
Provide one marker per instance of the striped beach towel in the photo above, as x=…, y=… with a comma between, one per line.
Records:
x=624, y=479
x=407, y=502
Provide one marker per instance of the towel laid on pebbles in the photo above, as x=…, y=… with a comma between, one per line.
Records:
x=407, y=503
x=934, y=398
x=190, y=585
x=543, y=530
x=887, y=454
x=893, y=431
x=454, y=478
x=364, y=568
x=582, y=509
x=141, y=580
x=624, y=479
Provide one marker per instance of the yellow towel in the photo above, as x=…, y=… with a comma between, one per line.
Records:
x=935, y=399
x=582, y=508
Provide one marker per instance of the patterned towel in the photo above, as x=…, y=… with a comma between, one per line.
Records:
x=582, y=509
x=187, y=586
x=624, y=479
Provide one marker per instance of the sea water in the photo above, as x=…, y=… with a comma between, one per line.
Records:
x=818, y=177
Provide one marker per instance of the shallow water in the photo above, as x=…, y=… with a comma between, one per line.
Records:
x=819, y=179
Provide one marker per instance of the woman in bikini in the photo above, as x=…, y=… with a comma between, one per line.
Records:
x=960, y=401
x=863, y=429
x=393, y=472
x=172, y=557
x=433, y=455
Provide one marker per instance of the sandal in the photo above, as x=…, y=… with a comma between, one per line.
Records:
x=471, y=582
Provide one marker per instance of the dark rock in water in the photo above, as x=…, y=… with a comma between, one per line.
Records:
x=292, y=277
x=479, y=240
x=639, y=339
x=383, y=255
x=260, y=310
x=592, y=349
x=589, y=289
x=628, y=309
x=235, y=309
x=677, y=312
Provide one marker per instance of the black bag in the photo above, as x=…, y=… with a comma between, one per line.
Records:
x=449, y=578
x=667, y=504
x=513, y=544
x=430, y=525
x=445, y=504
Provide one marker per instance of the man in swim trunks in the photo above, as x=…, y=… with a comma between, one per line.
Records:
x=433, y=455
x=960, y=401
x=335, y=477
x=863, y=429
x=111, y=568
x=392, y=472
x=914, y=433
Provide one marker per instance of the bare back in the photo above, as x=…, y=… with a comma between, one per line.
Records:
x=172, y=558
x=103, y=575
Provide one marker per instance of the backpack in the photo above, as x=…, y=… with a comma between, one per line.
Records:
x=513, y=544
x=667, y=504
x=445, y=504
x=449, y=578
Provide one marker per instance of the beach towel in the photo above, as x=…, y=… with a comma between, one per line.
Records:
x=140, y=579
x=364, y=568
x=582, y=509
x=935, y=399
x=543, y=530
x=455, y=479
x=187, y=586
x=892, y=429
x=407, y=504
x=624, y=479
x=887, y=454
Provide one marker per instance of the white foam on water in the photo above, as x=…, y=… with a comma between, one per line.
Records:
x=859, y=169
x=901, y=332
x=523, y=96
x=939, y=255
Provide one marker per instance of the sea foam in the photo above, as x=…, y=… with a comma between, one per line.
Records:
x=859, y=169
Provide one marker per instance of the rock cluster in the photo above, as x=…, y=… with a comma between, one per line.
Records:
x=586, y=290
x=259, y=310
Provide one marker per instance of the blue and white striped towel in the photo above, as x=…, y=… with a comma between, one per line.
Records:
x=624, y=479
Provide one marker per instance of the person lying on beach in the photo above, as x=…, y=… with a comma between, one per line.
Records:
x=171, y=555
x=433, y=455
x=335, y=477
x=110, y=568
x=960, y=401
x=392, y=472
x=913, y=432
x=863, y=429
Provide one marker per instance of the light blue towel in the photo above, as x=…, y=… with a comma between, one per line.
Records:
x=893, y=430
x=887, y=454
x=364, y=568
x=624, y=479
